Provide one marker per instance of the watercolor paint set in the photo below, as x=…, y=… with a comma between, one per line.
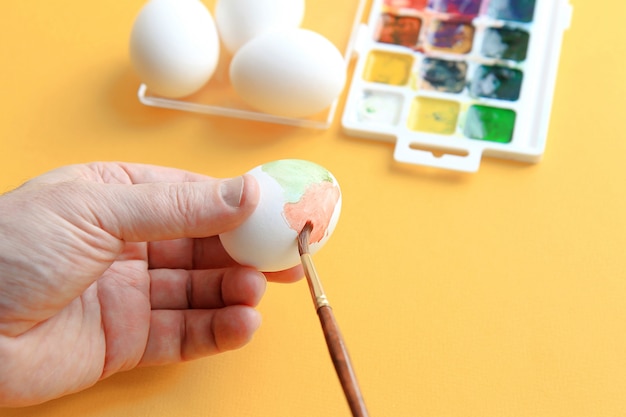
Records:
x=452, y=80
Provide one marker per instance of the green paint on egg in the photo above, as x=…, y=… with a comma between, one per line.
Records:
x=295, y=176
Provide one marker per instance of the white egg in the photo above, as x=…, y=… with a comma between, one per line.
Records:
x=292, y=193
x=238, y=21
x=292, y=73
x=174, y=46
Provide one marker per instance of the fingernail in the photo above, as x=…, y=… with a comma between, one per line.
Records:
x=232, y=191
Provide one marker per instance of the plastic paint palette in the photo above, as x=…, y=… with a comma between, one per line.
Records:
x=452, y=80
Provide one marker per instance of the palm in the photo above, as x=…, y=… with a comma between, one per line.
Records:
x=102, y=331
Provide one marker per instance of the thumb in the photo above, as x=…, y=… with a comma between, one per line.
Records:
x=161, y=211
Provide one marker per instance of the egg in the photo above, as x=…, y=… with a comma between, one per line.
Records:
x=292, y=193
x=238, y=21
x=292, y=72
x=174, y=46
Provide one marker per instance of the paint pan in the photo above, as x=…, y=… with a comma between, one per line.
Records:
x=452, y=80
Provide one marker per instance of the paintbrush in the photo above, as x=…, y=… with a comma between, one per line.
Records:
x=334, y=340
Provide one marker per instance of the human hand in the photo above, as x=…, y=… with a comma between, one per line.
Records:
x=109, y=266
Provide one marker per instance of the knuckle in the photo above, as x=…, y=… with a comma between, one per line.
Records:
x=185, y=198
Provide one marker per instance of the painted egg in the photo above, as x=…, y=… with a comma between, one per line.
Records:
x=291, y=73
x=292, y=193
x=238, y=21
x=174, y=47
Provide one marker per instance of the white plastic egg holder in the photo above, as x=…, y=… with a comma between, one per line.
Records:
x=218, y=97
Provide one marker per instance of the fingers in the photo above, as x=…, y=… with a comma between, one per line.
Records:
x=205, y=254
x=199, y=313
x=181, y=335
x=205, y=289
x=161, y=211
x=204, y=312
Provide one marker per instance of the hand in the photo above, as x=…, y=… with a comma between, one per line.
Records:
x=107, y=266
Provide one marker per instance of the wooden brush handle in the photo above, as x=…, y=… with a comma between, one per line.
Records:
x=341, y=360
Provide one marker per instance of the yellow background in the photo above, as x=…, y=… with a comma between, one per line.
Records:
x=499, y=293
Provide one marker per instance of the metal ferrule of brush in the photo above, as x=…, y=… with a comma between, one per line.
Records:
x=315, y=286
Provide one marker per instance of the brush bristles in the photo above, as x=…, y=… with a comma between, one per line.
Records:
x=303, y=238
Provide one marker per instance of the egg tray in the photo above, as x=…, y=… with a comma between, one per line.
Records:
x=219, y=98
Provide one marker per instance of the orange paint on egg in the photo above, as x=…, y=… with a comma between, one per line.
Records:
x=317, y=206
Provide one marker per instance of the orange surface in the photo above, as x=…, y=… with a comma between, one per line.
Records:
x=499, y=293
